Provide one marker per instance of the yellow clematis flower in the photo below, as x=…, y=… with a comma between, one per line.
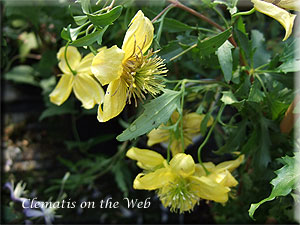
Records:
x=276, y=10
x=127, y=71
x=180, y=184
x=85, y=87
x=221, y=173
x=191, y=128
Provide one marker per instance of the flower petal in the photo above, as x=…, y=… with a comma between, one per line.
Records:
x=287, y=4
x=200, y=170
x=225, y=178
x=88, y=90
x=192, y=122
x=62, y=90
x=230, y=165
x=183, y=164
x=138, y=36
x=73, y=57
x=114, y=100
x=85, y=64
x=147, y=159
x=107, y=64
x=153, y=180
x=158, y=135
x=208, y=189
x=285, y=18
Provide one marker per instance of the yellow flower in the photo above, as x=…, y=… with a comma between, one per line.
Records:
x=275, y=10
x=221, y=173
x=191, y=128
x=178, y=184
x=85, y=87
x=127, y=71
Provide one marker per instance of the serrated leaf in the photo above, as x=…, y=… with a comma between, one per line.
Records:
x=122, y=176
x=283, y=184
x=156, y=112
x=85, y=145
x=256, y=95
x=89, y=39
x=211, y=45
x=105, y=19
x=225, y=59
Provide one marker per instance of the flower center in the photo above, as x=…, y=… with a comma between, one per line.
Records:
x=178, y=195
x=142, y=75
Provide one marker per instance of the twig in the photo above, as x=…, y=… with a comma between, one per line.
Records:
x=162, y=12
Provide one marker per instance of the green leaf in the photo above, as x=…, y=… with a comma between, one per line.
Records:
x=261, y=55
x=256, y=95
x=235, y=139
x=231, y=5
x=228, y=98
x=169, y=51
x=289, y=58
x=105, y=19
x=85, y=6
x=173, y=26
x=156, y=112
x=244, y=42
x=225, y=59
x=283, y=184
x=89, y=39
x=85, y=145
x=122, y=176
x=211, y=45
x=70, y=34
x=54, y=110
x=80, y=20
x=22, y=74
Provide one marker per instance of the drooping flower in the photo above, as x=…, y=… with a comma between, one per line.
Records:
x=221, y=173
x=276, y=10
x=191, y=123
x=85, y=87
x=180, y=184
x=127, y=71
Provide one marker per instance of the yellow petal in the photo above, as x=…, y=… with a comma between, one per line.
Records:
x=200, y=170
x=114, y=100
x=62, y=90
x=158, y=136
x=285, y=18
x=139, y=35
x=192, y=122
x=85, y=64
x=206, y=188
x=182, y=164
x=107, y=64
x=225, y=178
x=73, y=57
x=230, y=165
x=147, y=159
x=153, y=180
x=87, y=90
x=287, y=4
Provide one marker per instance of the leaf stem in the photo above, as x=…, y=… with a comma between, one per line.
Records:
x=162, y=12
x=208, y=136
x=244, y=13
x=73, y=71
x=183, y=52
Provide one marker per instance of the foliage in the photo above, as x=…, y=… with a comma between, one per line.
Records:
x=223, y=64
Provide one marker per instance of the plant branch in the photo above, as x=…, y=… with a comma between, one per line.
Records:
x=178, y=4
